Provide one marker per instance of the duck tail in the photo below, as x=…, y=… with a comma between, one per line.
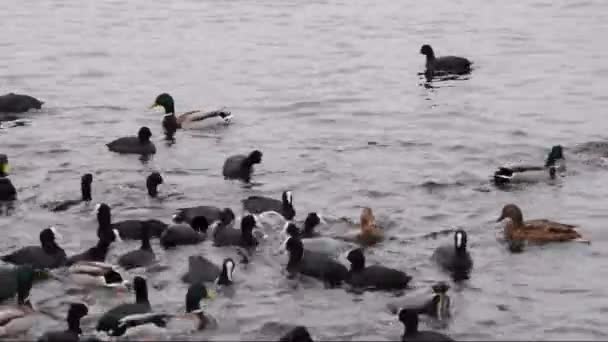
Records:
x=582, y=240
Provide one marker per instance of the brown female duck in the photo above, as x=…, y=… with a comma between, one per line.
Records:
x=369, y=233
x=535, y=231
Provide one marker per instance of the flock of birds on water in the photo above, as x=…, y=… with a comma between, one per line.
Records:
x=311, y=253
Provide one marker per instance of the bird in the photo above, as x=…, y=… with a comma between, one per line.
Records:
x=18, y=103
x=96, y=274
x=260, y=204
x=142, y=257
x=538, y=231
x=436, y=306
x=17, y=319
x=7, y=189
x=152, y=182
x=455, y=258
x=369, y=233
x=115, y=322
x=445, y=64
x=312, y=264
x=172, y=122
x=374, y=276
x=409, y=318
x=297, y=334
x=46, y=256
x=129, y=229
x=201, y=270
x=140, y=144
x=240, y=166
x=72, y=333
x=9, y=279
x=99, y=251
x=183, y=234
x=85, y=195
x=211, y=213
x=554, y=164
x=228, y=236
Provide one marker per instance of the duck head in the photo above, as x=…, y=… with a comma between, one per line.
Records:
x=144, y=134
x=460, y=241
x=512, y=212
x=440, y=304
x=164, y=101
x=152, y=182
x=427, y=50
x=288, y=210
x=356, y=259
x=85, y=186
x=225, y=277
x=4, y=167
x=368, y=221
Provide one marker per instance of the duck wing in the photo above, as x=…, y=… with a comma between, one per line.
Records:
x=542, y=230
x=199, y=115
x=9, y=313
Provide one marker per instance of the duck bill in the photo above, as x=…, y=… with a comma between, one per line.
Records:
x=153, y=106
x=5, y=168
x=502, y=217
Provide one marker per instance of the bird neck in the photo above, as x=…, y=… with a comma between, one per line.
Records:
x=74, y=325
x=430, y=57
x=50, y=247
x=152, y=191
x=145, y=244
x=86, y=192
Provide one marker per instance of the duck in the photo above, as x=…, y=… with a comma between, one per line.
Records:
x=183, y=234
x=18, y=103
x=85, y=192
x=409, y=318
x=152, y=182
x=228, y=236
x=211, y=213
x=117, y=320
x=46, y=256
x=374, y=276
x=9, y=280
x=7, y=189
x=140, y=144
x=437, y=306
x=538, y=231
x=99, y=251
x=297, y=334
x=445, y=64
x=72, y=334
x=129, y=229
x=260, y=204
x=141, y=257
x=554, y=164
x=455, y=258
x=96, y=274
x=201, y=270
x=240, y=166
x=369, y=233
x=18, y=319
x=189, y=120
x=312, y=264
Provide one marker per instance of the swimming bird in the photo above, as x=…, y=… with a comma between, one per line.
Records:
x=437, y=306
x=17, y=319
x=554, y=164
x=183, y=234
x=228, y=236
x=85, y=192
x=152, y=183
x=240, y=166
x=96, y=274
x=7, y=189
x=369, y=233
x=260, y=204
x=47, y=255
x=535, y=231
x=455, y=258
x=313, y=264
x=18, y=103
x=142, y=257
x=129, y=229
x=374, y=276
x=445, y=64
x=211, y=213
x=114, y=321
x=72, y=333
x=99, y=251
x=192, y=119
x=297, y=334
x=140, y=144
x=201, y=270
x=9, y=280
x=409, y=318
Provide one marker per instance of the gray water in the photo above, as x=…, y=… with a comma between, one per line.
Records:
x=330, y=92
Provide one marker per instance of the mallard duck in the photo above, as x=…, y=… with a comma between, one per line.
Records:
x=535, y=231
x=437, y=306
x=189, y=120
x=409, y=318
x=92, y=273
x=7, y=189
x=72, y=333
x=445, y=64
x=18, y=319
x=554, y=165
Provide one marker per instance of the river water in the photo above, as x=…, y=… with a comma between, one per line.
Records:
x=330, y=92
